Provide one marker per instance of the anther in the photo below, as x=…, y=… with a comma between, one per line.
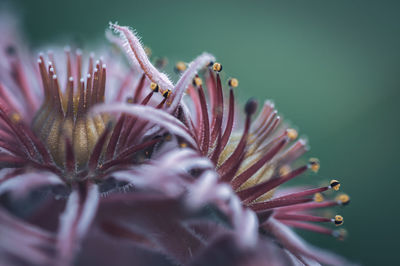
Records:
x=313, y=164
x=154, y=87
x=15, y=117
x=166, y=93
x=197, y=82
x=338, y=220
x=180, y=67
x=334, y=184
x=183, y=145
x=284, y=170
x=251, y=106
x=233, y=82
x=343, y=199
x=318, y=197
x=292, y=133
x=217, y=67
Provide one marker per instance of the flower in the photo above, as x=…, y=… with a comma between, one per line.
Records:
x=256, y=161
x=92, y=173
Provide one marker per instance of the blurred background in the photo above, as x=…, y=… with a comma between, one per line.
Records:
x=332, y=68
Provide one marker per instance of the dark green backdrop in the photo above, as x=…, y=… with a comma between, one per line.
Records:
x=332, y=67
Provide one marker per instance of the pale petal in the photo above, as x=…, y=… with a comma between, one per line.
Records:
x=151, y=114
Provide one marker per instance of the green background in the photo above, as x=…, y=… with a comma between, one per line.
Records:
x=332, y=67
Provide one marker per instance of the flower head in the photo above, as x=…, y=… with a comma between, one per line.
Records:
x=183, y=185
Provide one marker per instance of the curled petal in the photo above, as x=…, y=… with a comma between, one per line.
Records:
x=151, y=114
x=136, y=53
x=187, y=78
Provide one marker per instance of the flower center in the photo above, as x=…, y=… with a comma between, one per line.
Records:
x=62, y=122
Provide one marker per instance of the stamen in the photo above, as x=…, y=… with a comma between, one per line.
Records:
x=197, y=82
x=342, y=199
x=154, y=87
x=292, y=133
x=335, y=184
x=338, y=220
x=302, y=217
x=314, y=164
x=318, y=197
x=217, y=67
x=254, y=192
x=204, y=123
x=233, y=82
x=166, y=93
x=180, y=67
x=309, y=227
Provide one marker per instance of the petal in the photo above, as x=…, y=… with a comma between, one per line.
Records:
x=21, y=241
x=75, y=221
x=151, y=114
x=136, y=52
x=22, y=184
x=187, y=77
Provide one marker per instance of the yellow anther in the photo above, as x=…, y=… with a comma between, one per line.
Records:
x=217, y=67
x=183, y=145
x=15, y=117
x=166, y=93
x=147, y=50
x=314, y=164
x=284, y=170
x=343, y=199
x=334, y=184
x=338, y=220
x=129, y=100
x=180, y=67
x=154, y=87
x=197, y=82
x=292, y=133
x=318, y=197
x=233, y=82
